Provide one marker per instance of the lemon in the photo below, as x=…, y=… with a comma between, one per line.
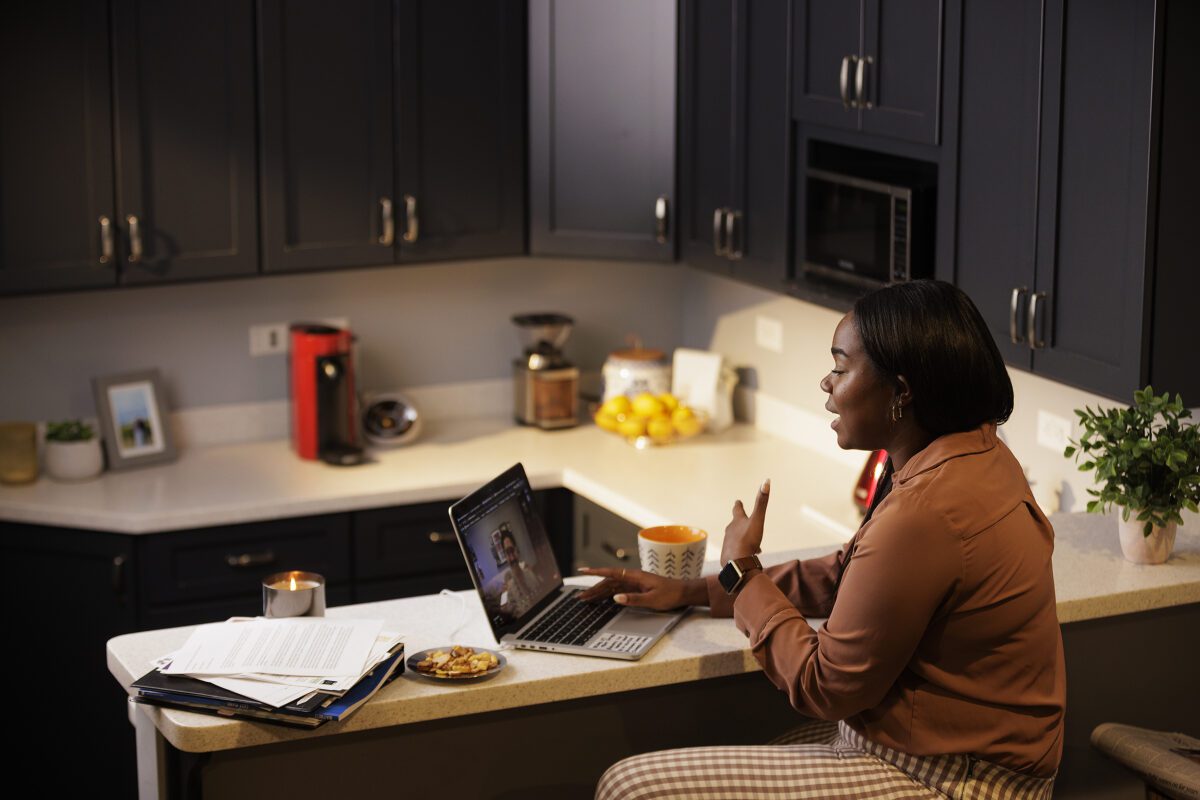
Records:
x=606, y=421
x=670, y=402
x=688, y=426
x=660, y=429
x=632, y=427
x=682, y=413
x=615, y=406
x=647, y=405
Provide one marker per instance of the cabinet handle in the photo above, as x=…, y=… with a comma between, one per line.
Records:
x=1034, y=342
x=660, y=219
x=720, y=246
x=619, y=553
x=411, y=225
x=1014, y=330
x=388, y=235
x=106, y=240
x=135, y=239
x=118, y=575
x=247, y=560
x=860, y=82
x=437, y=537
x=733, y=230
x=844, y=80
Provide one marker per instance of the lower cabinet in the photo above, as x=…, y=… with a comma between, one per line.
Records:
x=602, y=539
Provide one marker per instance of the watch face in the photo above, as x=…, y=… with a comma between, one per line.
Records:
x=729, y=577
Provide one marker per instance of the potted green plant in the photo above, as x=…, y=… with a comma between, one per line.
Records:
x=1147, y=462
x=72, y=451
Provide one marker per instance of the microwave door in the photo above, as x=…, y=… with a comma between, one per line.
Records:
x=849, y=231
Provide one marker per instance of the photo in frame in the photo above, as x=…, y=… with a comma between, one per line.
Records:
x=133, y=419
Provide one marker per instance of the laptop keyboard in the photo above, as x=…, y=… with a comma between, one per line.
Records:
x=572, y=622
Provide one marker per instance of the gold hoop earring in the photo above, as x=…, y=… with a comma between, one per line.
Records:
x=897, y=411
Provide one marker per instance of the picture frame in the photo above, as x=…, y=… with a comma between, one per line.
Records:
x=133, y=420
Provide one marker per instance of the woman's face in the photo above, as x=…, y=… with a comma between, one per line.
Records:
x=860, y=397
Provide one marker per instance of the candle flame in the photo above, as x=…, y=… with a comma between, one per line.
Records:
x=293, y=586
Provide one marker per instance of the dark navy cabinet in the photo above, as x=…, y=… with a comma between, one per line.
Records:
x=127, y=144
x=869, y=65
x=1062, y=164
x=735, y=138
x=602, y=128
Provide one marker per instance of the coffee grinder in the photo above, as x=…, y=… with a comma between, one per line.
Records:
x=324, y=403
x=545, y=385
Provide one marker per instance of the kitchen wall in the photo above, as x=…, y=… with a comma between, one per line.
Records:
x=449, y=323
x=417, y=326
x=720, y=314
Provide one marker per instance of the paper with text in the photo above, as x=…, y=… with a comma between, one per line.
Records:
x=316, y=646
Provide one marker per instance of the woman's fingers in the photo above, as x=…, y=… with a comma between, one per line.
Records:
x=739, y=510
x=760, y=502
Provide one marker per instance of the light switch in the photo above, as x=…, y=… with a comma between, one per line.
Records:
x=768, y=333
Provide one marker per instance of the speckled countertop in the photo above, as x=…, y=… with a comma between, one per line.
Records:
x=1092, y=580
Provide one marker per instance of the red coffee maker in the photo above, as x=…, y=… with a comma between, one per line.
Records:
x=324, y=403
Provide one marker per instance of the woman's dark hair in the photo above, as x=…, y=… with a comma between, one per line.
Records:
x=931, y=333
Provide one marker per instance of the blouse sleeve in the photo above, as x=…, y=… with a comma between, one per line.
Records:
x=808, y=585
x=904, y=567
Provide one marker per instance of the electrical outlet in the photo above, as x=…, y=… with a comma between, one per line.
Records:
x=768, y=333
x=1053, y=431
x=269, y=339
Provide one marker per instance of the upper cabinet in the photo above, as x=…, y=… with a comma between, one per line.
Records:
x=869, y=66
x=602, y=128
x=460, y=119
x=392, y=131
x=328, y=169
x=164, y=189
x=735, y=138
x=1067, y=112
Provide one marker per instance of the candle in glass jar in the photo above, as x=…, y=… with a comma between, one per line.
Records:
x=294, y=594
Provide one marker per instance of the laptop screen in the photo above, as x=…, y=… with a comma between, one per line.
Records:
x=507, y=549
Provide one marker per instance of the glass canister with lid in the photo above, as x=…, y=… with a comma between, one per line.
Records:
x=635, y=370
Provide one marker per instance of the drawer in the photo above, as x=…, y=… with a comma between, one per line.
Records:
x=229, y=561
x=374, y=591
x=405, y=541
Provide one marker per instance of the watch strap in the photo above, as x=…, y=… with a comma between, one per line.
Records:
x=734, y=573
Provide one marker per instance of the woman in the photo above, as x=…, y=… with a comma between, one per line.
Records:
x=941, y=661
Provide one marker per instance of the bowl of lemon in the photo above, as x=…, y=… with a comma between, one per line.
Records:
x=649, y=419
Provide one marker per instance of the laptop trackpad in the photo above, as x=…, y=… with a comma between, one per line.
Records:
x=639, y=622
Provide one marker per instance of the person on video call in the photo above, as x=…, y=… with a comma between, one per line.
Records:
x=518, y=594
x=940, y=669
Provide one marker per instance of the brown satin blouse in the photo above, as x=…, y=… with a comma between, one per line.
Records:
x=942, y=636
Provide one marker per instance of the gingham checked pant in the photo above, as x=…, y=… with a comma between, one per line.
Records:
x=816, y=760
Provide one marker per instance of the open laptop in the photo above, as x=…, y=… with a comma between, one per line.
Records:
x=514, y=570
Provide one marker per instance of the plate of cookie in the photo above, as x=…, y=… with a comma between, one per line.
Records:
x=456, y=663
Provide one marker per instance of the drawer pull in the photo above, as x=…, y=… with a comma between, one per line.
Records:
x=246, y=560
x=118, y=575
x=437, y=537
x=619, y=553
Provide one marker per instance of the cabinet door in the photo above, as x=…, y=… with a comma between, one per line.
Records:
x=327, y=150
x=1093, y=212
x=185, y=139
x=67, y=593
x=826, y=38
x=995, y=248
x=902, y=75
x=706, y=139
x=601, y=127
x=763, y=144
x=55, y=147
x=461, y=127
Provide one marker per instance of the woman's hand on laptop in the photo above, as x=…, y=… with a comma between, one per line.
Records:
x=632, y=587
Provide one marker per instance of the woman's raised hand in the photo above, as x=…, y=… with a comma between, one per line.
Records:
x=632, y=587
x=744, y=534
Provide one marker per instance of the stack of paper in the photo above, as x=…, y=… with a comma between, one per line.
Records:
x=299, y=671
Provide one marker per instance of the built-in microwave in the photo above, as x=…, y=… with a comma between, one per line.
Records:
x=867, y=233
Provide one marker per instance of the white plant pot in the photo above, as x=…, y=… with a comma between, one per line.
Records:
x=74, y=461
x=1153, y=549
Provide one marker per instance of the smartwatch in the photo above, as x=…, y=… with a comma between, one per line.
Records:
x=734, y=574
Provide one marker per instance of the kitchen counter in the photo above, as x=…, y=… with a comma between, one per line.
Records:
x=694, y=482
